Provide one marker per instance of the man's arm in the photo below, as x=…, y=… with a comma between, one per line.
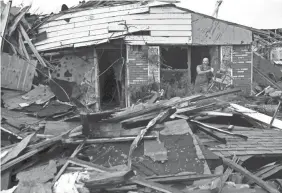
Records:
x=199, y=71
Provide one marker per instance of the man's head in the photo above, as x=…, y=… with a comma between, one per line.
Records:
x=205, y=61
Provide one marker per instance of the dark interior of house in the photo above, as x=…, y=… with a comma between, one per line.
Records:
x=174, y=57
x=197, y=55
x=110, y=65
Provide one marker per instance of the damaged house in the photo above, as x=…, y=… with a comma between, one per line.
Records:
x=112, y=48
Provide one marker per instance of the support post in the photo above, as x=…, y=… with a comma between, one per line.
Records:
x=189, y=55
x=96, y=81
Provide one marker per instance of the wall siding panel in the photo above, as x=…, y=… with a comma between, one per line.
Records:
x=207, y=31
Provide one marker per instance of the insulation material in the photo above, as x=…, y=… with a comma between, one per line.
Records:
x=17, y=73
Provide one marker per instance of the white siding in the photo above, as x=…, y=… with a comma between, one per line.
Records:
x=95, y=26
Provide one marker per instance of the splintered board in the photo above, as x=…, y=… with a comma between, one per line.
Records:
x=17, y=73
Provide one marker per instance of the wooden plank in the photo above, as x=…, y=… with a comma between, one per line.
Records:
x=17, y=19
x=94, y=39
x=115, y=27
x=15, y=151
x=99, y=18
x=108, y=10
x=154, y=185
x=143, y=40
x=72, y=35
x=181, y=178
x=17, y=73
x=138, y=14
x=108, y=140
x=171, y=33
x=22, y=46
x=257, y=116
x=219, y=130
x=166, y=10
x=249, y=175
x=4, y=21
x=159, y=22
x=97, y=29
x=33, y=49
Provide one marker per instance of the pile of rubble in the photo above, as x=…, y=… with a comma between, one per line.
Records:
x=176, y=145
x=201, y=143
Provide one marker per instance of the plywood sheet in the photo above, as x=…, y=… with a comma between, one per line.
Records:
x=17, y=73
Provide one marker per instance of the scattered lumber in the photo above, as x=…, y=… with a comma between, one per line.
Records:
x=218, y=130
x=76, y=151
x=256, y=115
x=159, y=119
x=249, y=175
x=219, y=139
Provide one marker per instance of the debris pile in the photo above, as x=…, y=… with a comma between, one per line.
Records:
x=50, y=142
x=176, y=145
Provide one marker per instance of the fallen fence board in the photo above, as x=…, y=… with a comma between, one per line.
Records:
x=257, y=116
x=16, y=73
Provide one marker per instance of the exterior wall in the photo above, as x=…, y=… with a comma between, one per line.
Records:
x=242, y=67
x=80, y=68
x=137, y=63
x=208, y=31
x=142, y=64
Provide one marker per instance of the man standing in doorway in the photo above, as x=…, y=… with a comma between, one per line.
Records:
x=204, y=74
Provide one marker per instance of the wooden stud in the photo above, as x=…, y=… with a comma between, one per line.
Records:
x=37, y=55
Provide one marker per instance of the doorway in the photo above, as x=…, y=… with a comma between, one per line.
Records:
x=111, y=77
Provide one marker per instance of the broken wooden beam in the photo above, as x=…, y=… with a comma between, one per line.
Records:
x=107, y=140
x=227, y=173
x=274, y=115
x=95, y=167
x=180, y=178
x=217, y=94
x=32, y=47
x=17, y=19
x=76, y=151
x=4, y=21
x=219, y=130
x=23, y=157
x=157, y=120
x=249, y=175
x=219, y=139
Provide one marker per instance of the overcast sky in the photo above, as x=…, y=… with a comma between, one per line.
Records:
x=255, y=13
